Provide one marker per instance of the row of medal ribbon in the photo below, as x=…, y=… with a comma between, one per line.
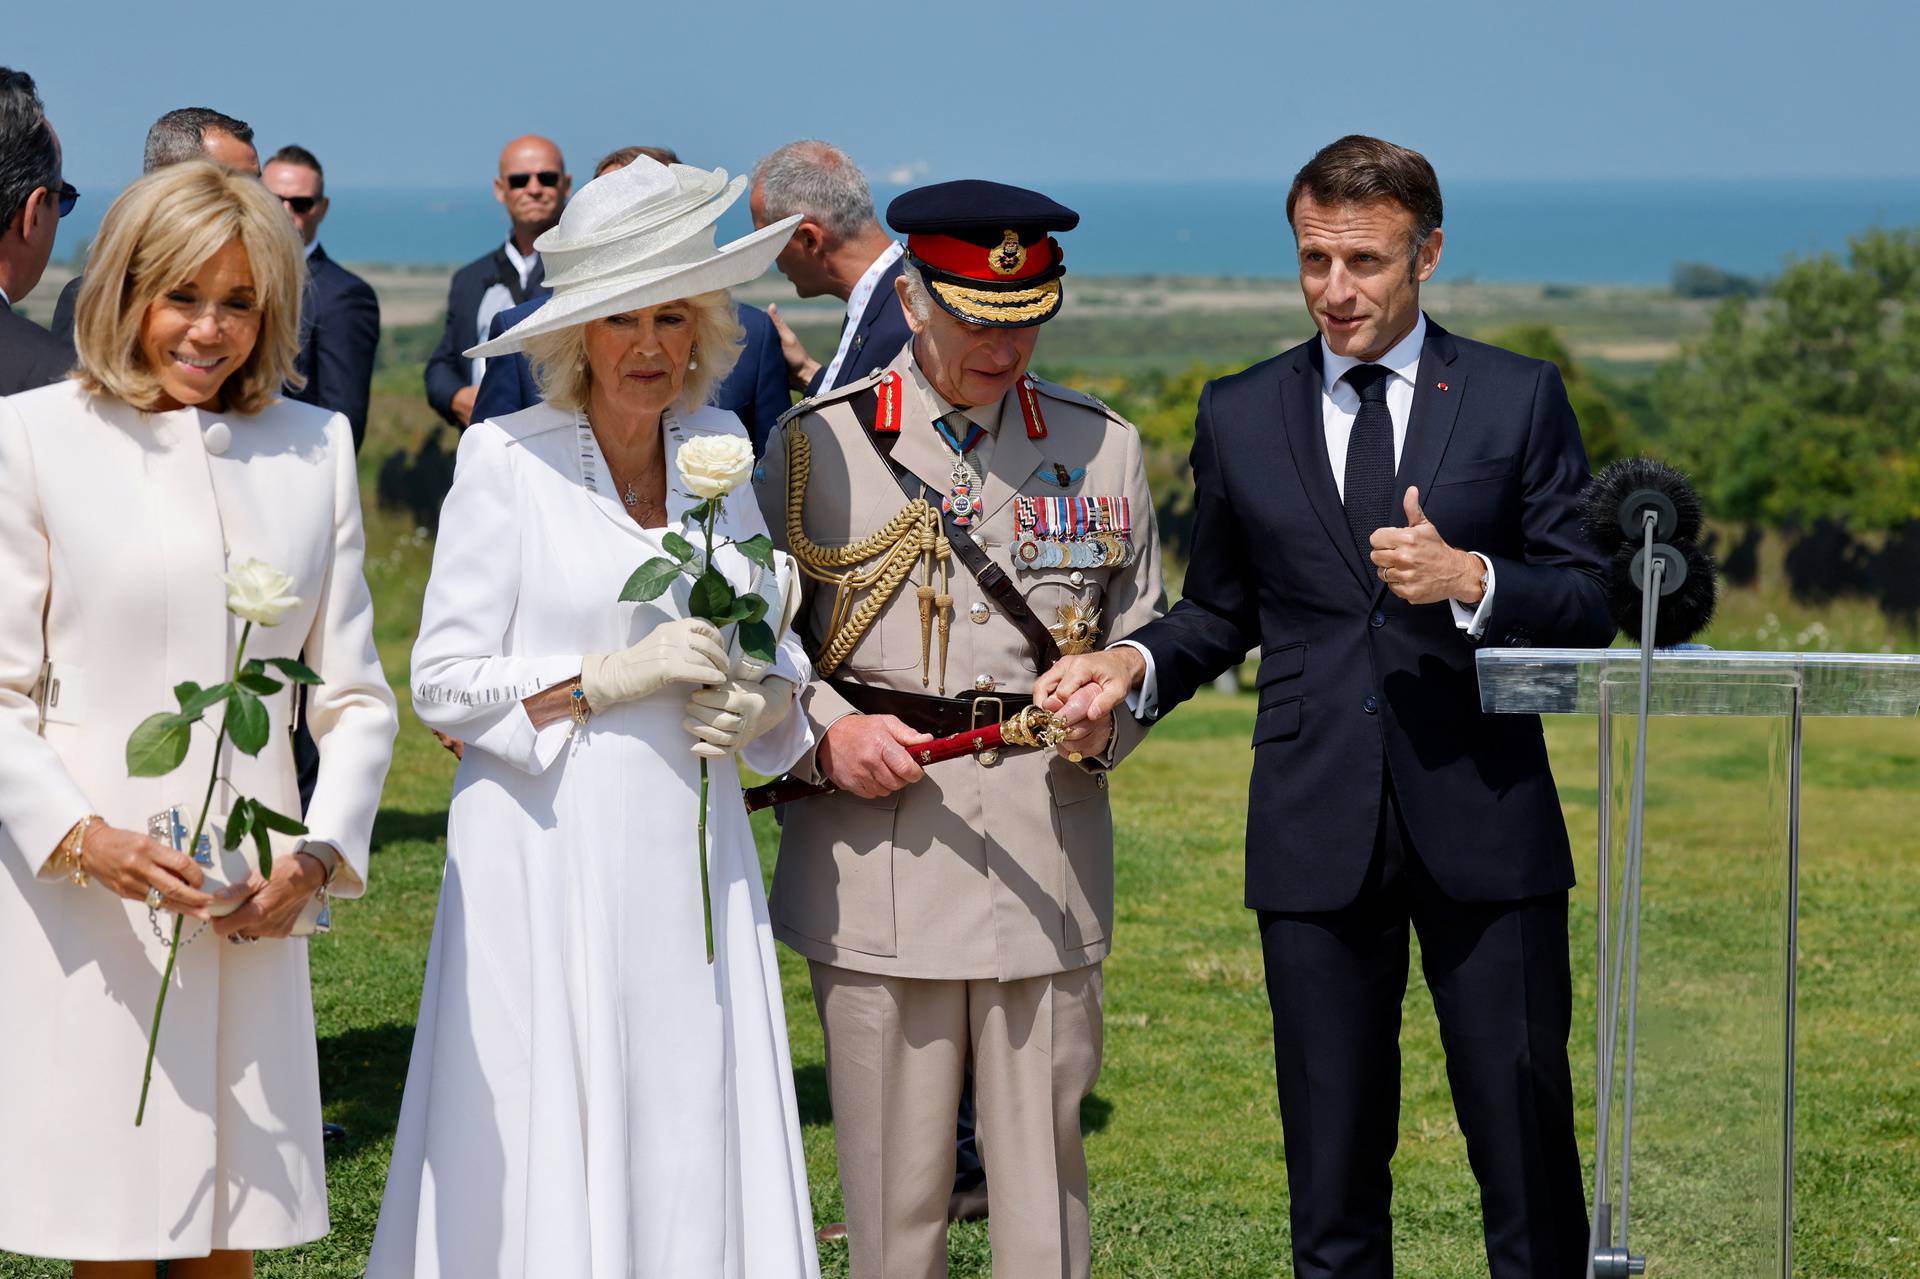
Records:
x=1073, y=532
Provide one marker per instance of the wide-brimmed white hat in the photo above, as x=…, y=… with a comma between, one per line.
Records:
x=636, y=237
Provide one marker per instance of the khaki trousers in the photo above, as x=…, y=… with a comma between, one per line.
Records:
x=897, y=1049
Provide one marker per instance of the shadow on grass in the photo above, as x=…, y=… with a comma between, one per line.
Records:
x=397, y=826
x=810, y=1094
x=1095, y=1111
x=361, y=1073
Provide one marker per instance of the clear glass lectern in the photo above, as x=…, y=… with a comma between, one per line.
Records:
x=1695, y=1165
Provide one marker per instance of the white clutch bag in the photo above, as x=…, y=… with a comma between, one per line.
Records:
x=222, y=867
x=779, y=586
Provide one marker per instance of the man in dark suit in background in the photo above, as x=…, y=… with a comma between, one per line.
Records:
x=1370, y=507
x=33, y=198
x=339, y=314
x=533, y=184
x=755, y=391
x=839, y=248
x=185, y=133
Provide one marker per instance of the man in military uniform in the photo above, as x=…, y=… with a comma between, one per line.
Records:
x=959, y=522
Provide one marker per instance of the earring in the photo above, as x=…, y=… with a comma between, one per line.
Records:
x=693, y=358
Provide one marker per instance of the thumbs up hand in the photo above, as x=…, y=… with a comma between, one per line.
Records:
x=1417, y=564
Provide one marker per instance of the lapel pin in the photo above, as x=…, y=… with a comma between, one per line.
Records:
x=1441, y=385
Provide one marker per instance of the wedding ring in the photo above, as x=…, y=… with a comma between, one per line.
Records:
x=238, y=940
x=154, y=898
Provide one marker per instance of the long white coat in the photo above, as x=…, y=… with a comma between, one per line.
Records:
x=588, y=1097
x=115, y=528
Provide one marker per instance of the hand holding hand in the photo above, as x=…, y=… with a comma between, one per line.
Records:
x=273, y=906
x=726, y=717
x=867, y=755
x=1417, y=564
x=129, y=865
x=1113, y=674
x=687, y=650
x=1090, y=733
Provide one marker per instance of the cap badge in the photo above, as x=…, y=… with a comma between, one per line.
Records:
x=1009, y=256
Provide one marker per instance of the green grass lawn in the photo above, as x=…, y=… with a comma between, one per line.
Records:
x=1184, y=1140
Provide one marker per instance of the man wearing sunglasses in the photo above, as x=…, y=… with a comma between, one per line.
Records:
x=533, y=184
x=33, y=199
x=340, y=317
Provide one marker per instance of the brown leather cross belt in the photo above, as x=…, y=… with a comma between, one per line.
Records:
x=940, y=716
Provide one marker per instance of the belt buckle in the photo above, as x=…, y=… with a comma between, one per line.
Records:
x=989, y=756
x=973, y=712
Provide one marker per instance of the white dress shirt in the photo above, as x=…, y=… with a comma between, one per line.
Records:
x=1339, y=405
x=857, y=307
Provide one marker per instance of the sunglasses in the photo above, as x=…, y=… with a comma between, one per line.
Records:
x=548, y=178
x=301, y=204
x=68, y=198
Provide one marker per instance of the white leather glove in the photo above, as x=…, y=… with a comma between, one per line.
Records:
x=726, y=717
x=687, y=650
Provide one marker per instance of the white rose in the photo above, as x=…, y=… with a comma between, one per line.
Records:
x=259, y=592
x=713, y=466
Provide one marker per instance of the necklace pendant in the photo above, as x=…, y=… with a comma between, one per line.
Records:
x=630, y=497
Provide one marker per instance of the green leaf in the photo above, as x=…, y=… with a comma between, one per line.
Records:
x=678, y=547
x=756, y=608
x=247, y=722
x=698, y=514
x=756, y=638
x=263, y=849
x=202, y=700
x=758, y=548
x=650, y=581
x=264, y=816
x=239, y=822
x=259, y=682
x=293, y=670
x=184, y=692
x=712, y=598
x=158, y=745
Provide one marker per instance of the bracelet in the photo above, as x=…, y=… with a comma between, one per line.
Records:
x=70, y=849
x=577, y=703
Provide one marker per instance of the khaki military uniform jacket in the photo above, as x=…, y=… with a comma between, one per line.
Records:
x=976, y=871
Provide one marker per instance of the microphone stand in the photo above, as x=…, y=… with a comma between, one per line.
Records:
x=1616, y=1261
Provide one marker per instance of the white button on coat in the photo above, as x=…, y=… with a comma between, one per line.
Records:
x=219, y=437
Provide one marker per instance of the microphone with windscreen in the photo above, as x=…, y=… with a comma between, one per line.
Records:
x=1615, y=512
x=1661, y=590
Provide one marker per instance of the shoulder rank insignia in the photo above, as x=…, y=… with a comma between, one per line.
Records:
x=1030, y=407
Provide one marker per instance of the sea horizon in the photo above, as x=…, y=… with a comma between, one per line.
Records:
x=1546, y=231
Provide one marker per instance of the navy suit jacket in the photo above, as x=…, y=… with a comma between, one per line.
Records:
x=339, y=332
x=29, y=355
x=1352, y=678
x=448, y=368
x=755, y=391
x=877, y=337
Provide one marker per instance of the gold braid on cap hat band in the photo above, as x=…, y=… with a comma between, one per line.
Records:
x=995, y=304
x=912, y=534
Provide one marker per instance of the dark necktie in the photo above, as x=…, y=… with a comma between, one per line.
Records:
x=1368, y=491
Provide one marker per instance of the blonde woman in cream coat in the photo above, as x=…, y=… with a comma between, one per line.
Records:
x=125, y=495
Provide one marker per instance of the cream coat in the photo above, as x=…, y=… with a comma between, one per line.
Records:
x=974, y=871
x=115, y=528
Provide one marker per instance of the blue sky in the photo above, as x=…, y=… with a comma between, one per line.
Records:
x=395, y=93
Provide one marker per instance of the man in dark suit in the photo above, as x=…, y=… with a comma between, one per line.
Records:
x=1371, y=507
x=33, y=198
x=839, y=248
x=755, y=391
x=339, y=314
x=533, y=184
x=185, y=133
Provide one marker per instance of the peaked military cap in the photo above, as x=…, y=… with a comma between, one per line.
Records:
x=985, y=249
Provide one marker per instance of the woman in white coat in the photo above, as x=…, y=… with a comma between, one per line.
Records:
x=588, y=1096
x=125, y=495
